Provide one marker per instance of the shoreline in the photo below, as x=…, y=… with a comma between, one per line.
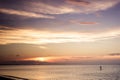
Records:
x=8, y=77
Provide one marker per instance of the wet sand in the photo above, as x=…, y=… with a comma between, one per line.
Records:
x=4, y=78
x=7, y=77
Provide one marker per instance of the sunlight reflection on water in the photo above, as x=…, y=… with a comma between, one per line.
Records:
x=63, y=72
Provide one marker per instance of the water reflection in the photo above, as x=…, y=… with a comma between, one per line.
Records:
x=62, y=72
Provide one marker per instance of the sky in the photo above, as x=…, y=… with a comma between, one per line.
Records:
x=60, y=30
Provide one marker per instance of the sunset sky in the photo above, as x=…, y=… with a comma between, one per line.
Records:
x=60, y=30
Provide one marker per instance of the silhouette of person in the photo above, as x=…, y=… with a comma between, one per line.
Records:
x=100, y=68
x=17, y=55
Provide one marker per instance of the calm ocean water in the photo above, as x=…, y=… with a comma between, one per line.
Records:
x=63, y=72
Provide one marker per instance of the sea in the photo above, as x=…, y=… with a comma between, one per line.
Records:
x=63, y=72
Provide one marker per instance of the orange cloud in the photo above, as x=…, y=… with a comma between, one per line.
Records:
x=30, y=36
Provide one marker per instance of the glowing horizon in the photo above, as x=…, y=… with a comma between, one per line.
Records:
x=49, y=31
x=73, y=58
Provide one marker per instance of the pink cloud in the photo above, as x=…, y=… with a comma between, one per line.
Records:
x=91, y=6
x=84, y=22
x=24, y=13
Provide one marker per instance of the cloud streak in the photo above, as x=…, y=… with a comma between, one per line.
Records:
x=44, y=10
x=88, y=23
x=114, y=54
x=70, y=6
x=23, y=13
x=84, y=22
x=90, y=6
x=30, y=36
x=50, y=9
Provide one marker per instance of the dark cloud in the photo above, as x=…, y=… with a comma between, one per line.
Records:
x=14, y=4
x=11, y=21
x=114, y=54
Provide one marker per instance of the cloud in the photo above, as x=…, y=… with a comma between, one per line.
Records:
x=50, y=9
x=42, y=47
x=30, y=36
x=90, y=6
x=88, y=23
x=23, y=13
x=114, y=54
x=5, y=28
x=83, y=22
x=72, y=6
